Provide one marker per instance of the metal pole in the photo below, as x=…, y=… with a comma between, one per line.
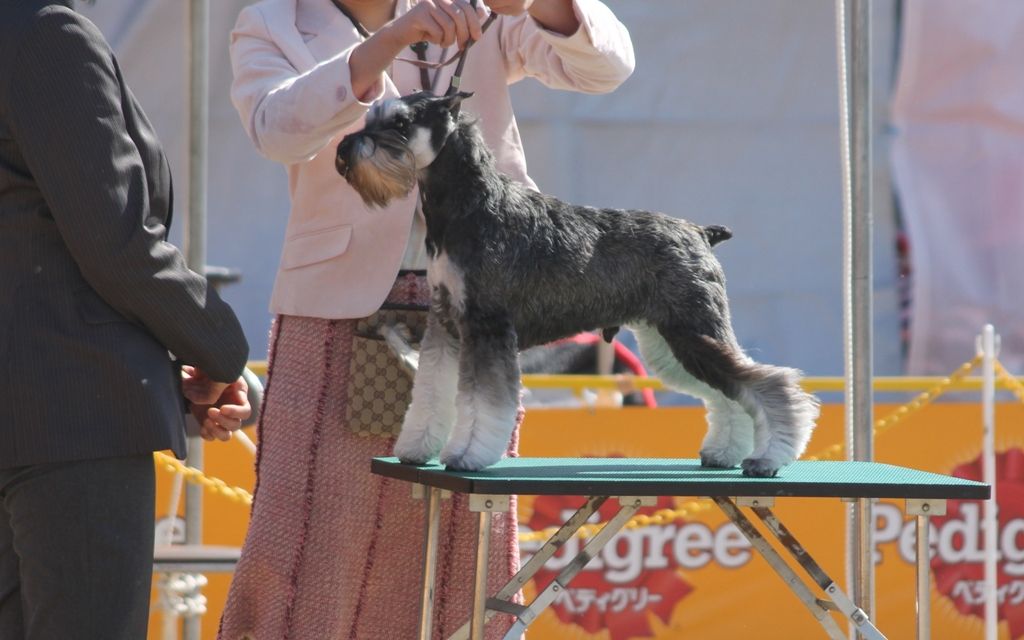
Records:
x=605, y=367
x=198, y=119
x=170, y=615
x=853, y=20
x=991, y=525
x=195, y=234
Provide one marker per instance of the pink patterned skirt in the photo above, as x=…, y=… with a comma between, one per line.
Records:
x=333, y=551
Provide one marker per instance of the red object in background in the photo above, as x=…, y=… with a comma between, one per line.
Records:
x=593, y=602
x=957, y=557
x=623, y=355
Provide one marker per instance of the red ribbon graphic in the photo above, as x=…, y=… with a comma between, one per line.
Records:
x=594, y=603
x=962, y=582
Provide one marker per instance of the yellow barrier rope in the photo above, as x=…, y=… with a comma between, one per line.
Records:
x=1011, y=382
x=627, y=383
x=195, y=476
x=901, y=413
x=662, y=516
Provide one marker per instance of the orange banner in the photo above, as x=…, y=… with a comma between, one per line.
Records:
x=697, y=577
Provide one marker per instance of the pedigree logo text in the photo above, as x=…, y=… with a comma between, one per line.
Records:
x=957, y=542
x=640, y=572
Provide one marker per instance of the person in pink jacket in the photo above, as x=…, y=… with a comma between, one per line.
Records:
x=333, y=551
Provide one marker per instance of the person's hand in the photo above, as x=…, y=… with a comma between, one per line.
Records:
x=509, y=7
x=442, y=22
x=219, y=408
x=198, y=387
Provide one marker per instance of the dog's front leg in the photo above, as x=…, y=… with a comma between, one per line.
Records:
x=487, y=402
x=431, y=413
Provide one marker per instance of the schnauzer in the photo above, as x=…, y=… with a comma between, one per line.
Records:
x=510, y=268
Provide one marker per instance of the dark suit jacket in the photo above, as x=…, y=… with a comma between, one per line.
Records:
x=92, y=297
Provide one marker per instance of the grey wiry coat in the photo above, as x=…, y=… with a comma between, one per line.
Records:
x=92, y=297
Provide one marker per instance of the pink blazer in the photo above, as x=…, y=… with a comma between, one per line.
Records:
x=292, y=89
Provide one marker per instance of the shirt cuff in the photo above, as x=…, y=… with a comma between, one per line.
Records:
x=582, y=39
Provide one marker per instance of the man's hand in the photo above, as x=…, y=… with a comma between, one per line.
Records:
x=218, y=407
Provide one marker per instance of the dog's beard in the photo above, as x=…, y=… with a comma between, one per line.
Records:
x=388, y=172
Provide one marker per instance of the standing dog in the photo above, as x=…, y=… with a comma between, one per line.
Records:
x=511, y=268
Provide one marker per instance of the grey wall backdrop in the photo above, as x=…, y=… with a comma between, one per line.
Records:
x=731, y=118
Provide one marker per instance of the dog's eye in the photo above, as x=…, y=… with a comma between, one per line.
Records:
x=402, y=127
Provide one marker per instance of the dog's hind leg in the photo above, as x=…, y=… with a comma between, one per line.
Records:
x=730, y=435
x=487, y=402
x=431, y=414
x=783, y=414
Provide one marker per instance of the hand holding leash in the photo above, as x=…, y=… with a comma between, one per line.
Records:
x=442, y=22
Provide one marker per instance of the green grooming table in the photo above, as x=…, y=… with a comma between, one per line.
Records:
x=637, y=482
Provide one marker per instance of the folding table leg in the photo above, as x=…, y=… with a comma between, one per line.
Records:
x=526, y=615
x=924, y=509
x=924, y=617
x=433, y=520
x=501, y=602
x=483, y=543
x=775, y=561
x=857, y=616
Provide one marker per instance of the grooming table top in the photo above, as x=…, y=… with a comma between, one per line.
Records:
x=684, y=477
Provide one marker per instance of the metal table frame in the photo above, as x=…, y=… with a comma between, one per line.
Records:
x=433, y=482
x=181, y=558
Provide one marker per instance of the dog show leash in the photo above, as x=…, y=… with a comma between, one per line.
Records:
x=457, y=76
x=420, y=49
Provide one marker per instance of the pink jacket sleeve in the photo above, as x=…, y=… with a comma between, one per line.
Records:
x=595, y=59
x=290, y=115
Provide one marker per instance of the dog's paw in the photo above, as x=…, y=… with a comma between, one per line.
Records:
x=414, y=450
x=461, y=464
x=470, y=459
x=717, y=459
x=760, y=468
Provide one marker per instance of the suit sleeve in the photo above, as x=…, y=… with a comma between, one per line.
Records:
x=290, y=115
x=596, y=59
x=66, y=112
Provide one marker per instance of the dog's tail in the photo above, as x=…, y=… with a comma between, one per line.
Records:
x=774, y=396
x=716, y=233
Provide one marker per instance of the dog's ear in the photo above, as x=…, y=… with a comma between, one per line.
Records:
x=452, y=102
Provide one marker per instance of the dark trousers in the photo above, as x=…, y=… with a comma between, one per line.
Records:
x=76, y=549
